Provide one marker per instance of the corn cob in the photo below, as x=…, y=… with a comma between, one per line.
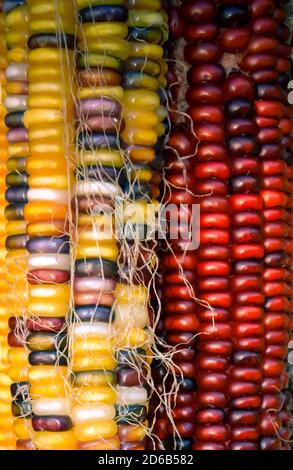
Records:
x=144, y=113
x=239, y=116
x=246, y=205
x=102, y=48
x=212, y=173
x=16, y=18
x=7, y=436
x=179, y=323
x=48, y=120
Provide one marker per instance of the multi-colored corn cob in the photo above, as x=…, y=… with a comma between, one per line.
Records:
x=16, y=18
x=49, y=122
x=144, y=113
x=102, y=48
x=7, y=436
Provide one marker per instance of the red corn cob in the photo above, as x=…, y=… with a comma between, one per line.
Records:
x=240, y=116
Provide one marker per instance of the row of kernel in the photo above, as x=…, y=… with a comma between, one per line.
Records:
x=101, y=50
x=48, y=120
x=7, y=436
x=246, y=238
x=17, y=181
x=143, y=113
x=287, y=128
